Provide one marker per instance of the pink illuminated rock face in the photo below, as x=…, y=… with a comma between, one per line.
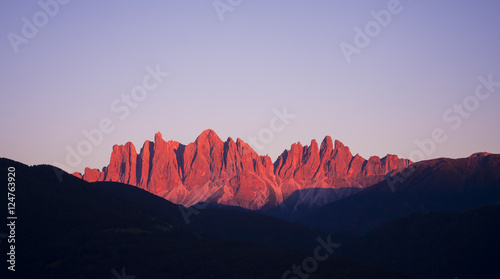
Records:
x=232, y=173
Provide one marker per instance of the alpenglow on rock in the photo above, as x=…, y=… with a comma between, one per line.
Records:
x=232, y=173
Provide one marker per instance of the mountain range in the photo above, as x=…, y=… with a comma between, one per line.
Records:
x=388, y=217
x=449, y=185
x=231, y=173
x=69, y=228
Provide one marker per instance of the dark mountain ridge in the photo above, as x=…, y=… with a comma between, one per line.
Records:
x=454, y=185
x=67, y=227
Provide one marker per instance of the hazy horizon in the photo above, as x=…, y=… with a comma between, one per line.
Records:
x=70, y=66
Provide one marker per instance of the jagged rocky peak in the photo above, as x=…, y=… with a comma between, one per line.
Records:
x=232, y=173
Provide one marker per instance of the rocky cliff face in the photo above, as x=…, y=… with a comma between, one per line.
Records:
x=232, y=173
x=331, y=166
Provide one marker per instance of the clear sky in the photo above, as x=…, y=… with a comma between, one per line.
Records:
x=65, y=66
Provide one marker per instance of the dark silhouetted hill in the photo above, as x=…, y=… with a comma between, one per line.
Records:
x=69, y=228
x=455, y=185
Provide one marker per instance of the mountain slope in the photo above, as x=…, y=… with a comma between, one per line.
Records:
x=434, y=185
x=71, y=228
x=435, y=245
x=232, y=173
x=303, y=202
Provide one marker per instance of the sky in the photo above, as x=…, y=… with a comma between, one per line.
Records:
x=419, y=79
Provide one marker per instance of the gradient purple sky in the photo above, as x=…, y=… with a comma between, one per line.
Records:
x=229, y=75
